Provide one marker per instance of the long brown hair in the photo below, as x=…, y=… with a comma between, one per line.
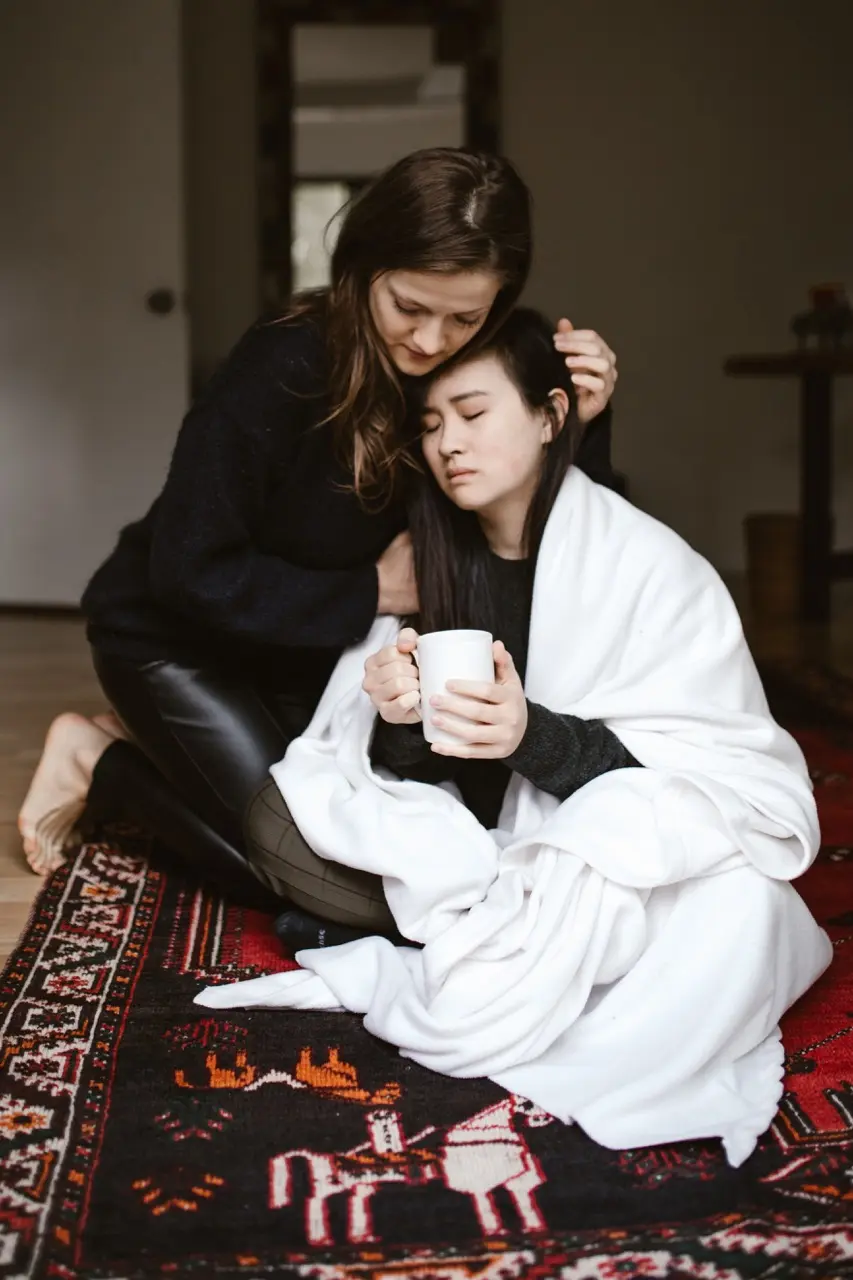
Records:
x=444, y=209
x=452, y=558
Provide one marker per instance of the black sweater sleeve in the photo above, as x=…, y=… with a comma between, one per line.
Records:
x=205, y=563
x=403, y=749
x=559, y=754
x=593, y=455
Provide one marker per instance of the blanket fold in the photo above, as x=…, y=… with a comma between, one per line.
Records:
x=623, y=958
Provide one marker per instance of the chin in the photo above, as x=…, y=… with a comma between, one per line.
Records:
x=464, y=501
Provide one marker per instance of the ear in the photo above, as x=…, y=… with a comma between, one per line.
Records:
x=553, y=423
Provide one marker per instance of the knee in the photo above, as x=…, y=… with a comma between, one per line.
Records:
x=750, y=905
x=266, y=823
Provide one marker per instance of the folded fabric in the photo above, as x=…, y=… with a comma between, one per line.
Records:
x=623, y=958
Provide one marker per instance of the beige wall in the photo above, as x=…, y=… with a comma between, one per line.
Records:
x=692, y=165
x=221, y=212
x=92, y=384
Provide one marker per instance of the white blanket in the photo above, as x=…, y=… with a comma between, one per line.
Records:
x=623, y=958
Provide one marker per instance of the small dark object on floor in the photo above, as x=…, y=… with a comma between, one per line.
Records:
x=299, y=929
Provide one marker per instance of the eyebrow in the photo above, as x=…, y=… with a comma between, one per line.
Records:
x=457, y=399
x=466, y=395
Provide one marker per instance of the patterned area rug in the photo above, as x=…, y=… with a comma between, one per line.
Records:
x=139, y=1138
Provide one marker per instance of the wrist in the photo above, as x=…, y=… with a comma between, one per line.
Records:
x=528, y=731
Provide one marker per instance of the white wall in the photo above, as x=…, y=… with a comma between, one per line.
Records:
x=221, y=187
x=692, y=167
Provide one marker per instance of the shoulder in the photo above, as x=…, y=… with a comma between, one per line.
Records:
x=659, y=577
x=277, y=366
x=641, y=537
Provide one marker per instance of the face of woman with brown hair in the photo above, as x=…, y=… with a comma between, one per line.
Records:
x=424, y=317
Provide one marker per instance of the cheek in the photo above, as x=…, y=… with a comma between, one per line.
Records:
x=387, y=318
x=518, y=455
x=429, y=447
x=457, y=336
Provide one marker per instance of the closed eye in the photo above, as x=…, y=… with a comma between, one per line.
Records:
x=469, y=324
x=406, y=311
x=469, y=417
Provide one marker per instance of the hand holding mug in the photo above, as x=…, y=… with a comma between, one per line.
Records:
x=391, y=678
x=486, y=720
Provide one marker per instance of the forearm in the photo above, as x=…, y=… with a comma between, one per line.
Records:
x=206, y=562
x=264, y=599
x=403, y=749
x=559, y=754
x=593, y=455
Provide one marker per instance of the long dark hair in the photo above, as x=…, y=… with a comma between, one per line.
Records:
x=452, y=557
x=446, y=210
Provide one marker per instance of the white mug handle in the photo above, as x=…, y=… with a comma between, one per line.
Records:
x=418, y=704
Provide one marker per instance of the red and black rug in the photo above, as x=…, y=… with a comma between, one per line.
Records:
x=140, y=1138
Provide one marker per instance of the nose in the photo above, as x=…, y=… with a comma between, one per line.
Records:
x=429, y=337
x=448, y=443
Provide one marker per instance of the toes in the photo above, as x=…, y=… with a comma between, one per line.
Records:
x=28, y=840
x=44, y=861
x=51, y=862
x=35, y=861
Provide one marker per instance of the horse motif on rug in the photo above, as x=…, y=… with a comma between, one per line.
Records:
x=474, y=1157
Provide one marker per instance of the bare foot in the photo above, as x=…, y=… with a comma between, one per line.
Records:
x=57, y=794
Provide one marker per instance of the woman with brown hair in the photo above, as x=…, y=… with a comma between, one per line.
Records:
x=280, y=531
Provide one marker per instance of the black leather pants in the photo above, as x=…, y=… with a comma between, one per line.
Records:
x=204, y=738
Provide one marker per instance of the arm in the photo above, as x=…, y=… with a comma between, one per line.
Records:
x=593, y=455
x=205, y=561
x=561, y=753
x=206, y=565
x=403, y=749
x=558, y=753
x=593, y=368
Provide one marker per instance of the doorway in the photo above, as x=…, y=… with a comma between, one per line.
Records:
x=344, y=90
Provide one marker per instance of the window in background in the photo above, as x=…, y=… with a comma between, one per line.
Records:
x=363, y=96
x=314, y=233
x=344, y=90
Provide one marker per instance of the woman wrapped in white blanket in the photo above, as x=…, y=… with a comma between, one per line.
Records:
x=615, y=942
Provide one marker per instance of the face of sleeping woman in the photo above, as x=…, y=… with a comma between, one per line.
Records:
x=484, y=442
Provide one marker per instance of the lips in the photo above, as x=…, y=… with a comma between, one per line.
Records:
x=459, y=475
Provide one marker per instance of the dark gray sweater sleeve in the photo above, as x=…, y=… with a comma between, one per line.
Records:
x=559, y=754
x=403, y=749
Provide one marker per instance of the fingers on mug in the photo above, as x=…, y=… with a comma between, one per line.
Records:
x=450, y=655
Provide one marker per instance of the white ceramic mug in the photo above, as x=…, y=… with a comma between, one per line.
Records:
x=450, y=655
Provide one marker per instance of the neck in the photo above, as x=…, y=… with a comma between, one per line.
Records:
x=503, y=526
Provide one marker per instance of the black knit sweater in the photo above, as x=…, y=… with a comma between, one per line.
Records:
x=255, y=552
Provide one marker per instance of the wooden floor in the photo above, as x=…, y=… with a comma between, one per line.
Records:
x=45, y=668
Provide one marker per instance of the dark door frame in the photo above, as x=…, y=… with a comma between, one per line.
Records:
x=467, y=33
